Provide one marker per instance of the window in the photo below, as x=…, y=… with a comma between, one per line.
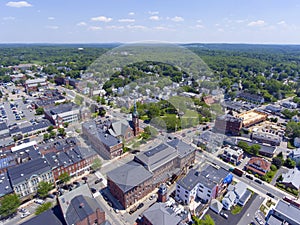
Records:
x=208, y=195
x=209, y=191
x=186, y=192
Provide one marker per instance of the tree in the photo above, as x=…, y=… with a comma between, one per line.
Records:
x=42, y=208
x=289, y=163
x=206, y=221
x=96, y=164
x=61, y=131
x=50, y=128
x=9, y=205
x=102, y=112
x=254, y=149
x=277, y=161
x=243, y=145
x=66, y=124
x=39, y=111
x=64, y=177
x=52, y=134
x=44, y=188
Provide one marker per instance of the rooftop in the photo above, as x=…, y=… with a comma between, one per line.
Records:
x=5, y=187
x=289, y=211
x=292, y=177
x=129, y=175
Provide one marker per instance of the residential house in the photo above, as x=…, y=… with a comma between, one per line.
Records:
x=289, y=105
x=232, y=154
x=295, y=155
x=251, y=97
x=26, y=176
x=291, y=179
x=236, y=194
x=258, y=166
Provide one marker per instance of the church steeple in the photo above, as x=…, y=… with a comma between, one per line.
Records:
x=135, y=120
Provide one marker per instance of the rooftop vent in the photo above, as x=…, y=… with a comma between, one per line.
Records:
x=22, y=174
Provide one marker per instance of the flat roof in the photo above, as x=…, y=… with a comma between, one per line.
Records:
x=22, y=146
x=251, y=116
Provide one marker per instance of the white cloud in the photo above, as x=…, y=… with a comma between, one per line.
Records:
x=101, y=19
x=126, y=20
x=114, y=27
x=19, y=4
x=131, y=14
x=136, y=27
x=200, y=26
x=81, y=24
x=281, y=22
x=177, y=19
x=257, y=23
x=9, y=18
x=52, y=27
x=162, y=28
x=240, y=21
x=95, y=28
x=220, y=29
x=153, y=12
x=199, y=21
x=154, y=18
x=51, y=18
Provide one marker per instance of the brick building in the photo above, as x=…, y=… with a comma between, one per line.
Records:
x=134, y=180
x=228, y=124
x=258, y=166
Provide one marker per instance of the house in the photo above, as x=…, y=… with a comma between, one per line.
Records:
x=34, y=85
x=80, y=208
x=289, y=105
x=50, y=216
x=236, y=194
x=216, y=206
x=273, y=108
x=296, y=119
x=232, y=154
x=258, y=166
x=64, y=113
x=295, y=155
x=137, y=178
x=297, y=142
x=159, y=214
x=283, y=213
x=205, y=184
x=251, y=97
x=228, y=124
x=26, y=176
x=209, y=100
x=291, y=179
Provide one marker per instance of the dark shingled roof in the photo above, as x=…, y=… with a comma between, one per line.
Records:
x=24, y=171
x=47, y=217
x=80, y=208
x=129, y=175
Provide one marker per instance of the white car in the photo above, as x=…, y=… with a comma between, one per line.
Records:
x=25, y=214
x=39, y=201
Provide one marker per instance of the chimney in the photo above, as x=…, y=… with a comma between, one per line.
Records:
x=81, y=205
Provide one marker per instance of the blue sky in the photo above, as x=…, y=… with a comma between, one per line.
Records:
x=98, y=21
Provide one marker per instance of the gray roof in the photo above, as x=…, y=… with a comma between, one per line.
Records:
x=190, y=180
x=156, y=157
x=24, y=171
x=159, y=215
x=273, y=221
x=292, y=177
x=5, y=187
x=47, y=217
x=80, y=208
x=41, y=125
x=63, y=108
x=245, y=196
x=100, y=134
x=182, y=147
x=119, y=128
x=3, y=126
x=288, y=210
x=129, y=175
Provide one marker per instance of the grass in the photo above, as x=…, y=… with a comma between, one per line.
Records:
x=236, y=210
x=290, y=145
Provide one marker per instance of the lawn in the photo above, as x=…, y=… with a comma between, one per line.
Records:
x=236, y=210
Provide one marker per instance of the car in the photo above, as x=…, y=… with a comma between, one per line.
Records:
x=116, y=210
x=39, y=201
x=140, y=205
x=23, y=210
x=93, y=190
x=249, y=177
x=105, y=197
x=191, y=166
x=51, y=196
x=84, y=178
x=23, y=215
x=109, y=203
x=98, y=181
x=258, y=181
x=270, y=195
x=224, y=215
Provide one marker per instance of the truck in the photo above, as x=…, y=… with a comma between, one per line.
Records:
x=237, y=171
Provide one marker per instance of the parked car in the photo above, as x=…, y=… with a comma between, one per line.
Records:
x=98, y=180
x=270, y=195
x=258, y=181
x=39, y=201
x=51, y=196
x=93, y=190
x=224, y=215
x=249, y=177
x=23, y=215
x=140, y=205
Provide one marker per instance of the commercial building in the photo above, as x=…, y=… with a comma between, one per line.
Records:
x=64, y=113
x=264, y=137
x=134, y=180
x=258, y=166
x=252, y=117
x=206, y=184
x=291, y=179
x=34, y=85
x=26, y=176
x=228, y=124
x=105, y=144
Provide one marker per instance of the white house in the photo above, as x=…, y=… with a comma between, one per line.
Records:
x=295, y=154
x=236, y=194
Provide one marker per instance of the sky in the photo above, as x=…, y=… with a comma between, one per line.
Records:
x=176, y=21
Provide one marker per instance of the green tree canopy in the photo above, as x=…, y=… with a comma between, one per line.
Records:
x=42, y=208
x=9, y=204
x=206, y=221
x=44, y=188
x=64, y=177
x=39, y=111
x=97, y=163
